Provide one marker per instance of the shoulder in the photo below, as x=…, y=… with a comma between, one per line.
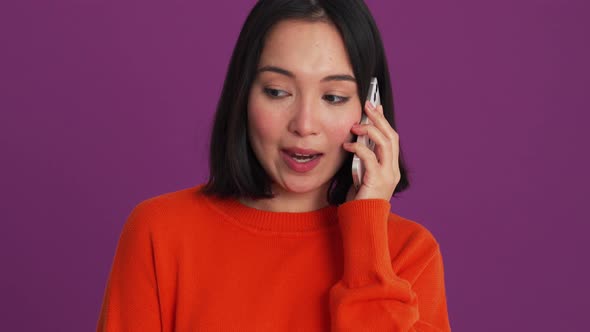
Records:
x=168, y=210
x=410, y=230
x=401, y=231
x=412, y=246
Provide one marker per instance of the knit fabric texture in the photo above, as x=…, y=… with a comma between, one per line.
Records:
x=190, y=262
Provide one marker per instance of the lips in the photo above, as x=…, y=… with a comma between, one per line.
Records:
x=301, y=160
x=300, y=151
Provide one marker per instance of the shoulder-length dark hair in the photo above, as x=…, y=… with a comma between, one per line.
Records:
x=234, y=169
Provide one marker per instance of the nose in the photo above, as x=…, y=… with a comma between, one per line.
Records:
x=304, y=121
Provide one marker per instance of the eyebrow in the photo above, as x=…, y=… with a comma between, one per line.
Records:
x=274, y=69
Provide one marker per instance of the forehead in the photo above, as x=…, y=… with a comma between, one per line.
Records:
x=306, y=48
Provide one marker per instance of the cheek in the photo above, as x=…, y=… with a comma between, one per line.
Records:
x=339, y=131
x=262, y=128
x=340, y=135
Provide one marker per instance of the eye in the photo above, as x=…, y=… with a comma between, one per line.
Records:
x=335, y=100
x=275, y=93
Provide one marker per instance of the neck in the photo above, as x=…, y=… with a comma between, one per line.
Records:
x=285, y=201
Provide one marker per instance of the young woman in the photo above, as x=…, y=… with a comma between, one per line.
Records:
x=278, y=239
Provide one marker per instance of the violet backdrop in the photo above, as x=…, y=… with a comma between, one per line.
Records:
x=106, y=103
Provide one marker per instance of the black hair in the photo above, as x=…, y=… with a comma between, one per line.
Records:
x=234, y=169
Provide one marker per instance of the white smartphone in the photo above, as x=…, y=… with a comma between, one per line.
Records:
x=358, y=170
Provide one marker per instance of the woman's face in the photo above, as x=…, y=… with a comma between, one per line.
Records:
x=302, y=105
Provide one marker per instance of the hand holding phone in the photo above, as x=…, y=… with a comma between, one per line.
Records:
x=358, y=169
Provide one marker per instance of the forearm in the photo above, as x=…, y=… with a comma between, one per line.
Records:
x=371, y=296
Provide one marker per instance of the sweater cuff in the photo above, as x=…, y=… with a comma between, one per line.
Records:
x=363, y=224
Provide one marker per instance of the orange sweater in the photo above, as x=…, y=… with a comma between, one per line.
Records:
x=187, y=262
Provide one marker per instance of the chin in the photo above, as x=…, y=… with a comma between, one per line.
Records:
x=301, y=186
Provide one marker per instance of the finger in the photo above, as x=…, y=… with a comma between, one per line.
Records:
x=395, y=158
x=383, y=149
x=367, y=156
x=379, y=120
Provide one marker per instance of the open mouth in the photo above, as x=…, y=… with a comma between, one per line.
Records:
x=303, y=158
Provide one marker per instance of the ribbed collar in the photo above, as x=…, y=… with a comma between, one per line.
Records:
x=324, y=219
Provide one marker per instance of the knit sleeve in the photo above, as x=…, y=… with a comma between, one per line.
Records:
x=131, y=297
x=371, y=296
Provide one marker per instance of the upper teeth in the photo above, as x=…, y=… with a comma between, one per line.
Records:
x=303, y=158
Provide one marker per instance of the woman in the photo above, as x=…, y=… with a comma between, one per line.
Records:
x=278, y=240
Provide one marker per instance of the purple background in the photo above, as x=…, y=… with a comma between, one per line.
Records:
x=107, y=103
